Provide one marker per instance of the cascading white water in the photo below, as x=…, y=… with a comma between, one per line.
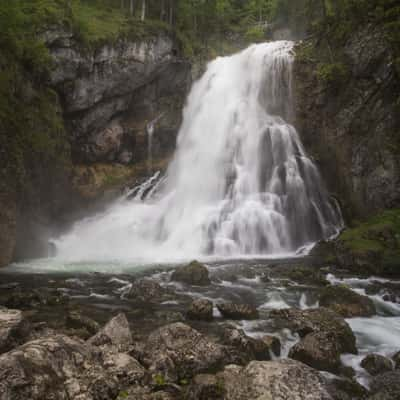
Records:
x=240, y=182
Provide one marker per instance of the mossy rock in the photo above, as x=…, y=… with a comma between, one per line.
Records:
x=346, y=302
x=372, y=246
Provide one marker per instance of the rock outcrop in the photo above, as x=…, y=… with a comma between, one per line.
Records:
x=351, y=127
x=112, y=93
x=110, y=96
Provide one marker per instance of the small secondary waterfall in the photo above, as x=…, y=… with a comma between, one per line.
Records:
x=240, y=183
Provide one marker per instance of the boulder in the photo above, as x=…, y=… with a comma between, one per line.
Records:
x=319, y=350
x=76, y=320
x=201, y=309
x=55, y=367
x=320, y=319
x=346, y=389
x=325, y=336
x=237, y=311
x=385, y=386
x=273, y=380
x=27, y=300
x=376, y=364
x=245, y=348
x=206, y=387
x=115, y=332
x=127, y=369
x=273, y=343
x=13, y=329
x=177, y=351
x=346, y=302
x=149, y=291
x=192, y=274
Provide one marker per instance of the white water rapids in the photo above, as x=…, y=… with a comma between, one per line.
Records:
x=240, y=183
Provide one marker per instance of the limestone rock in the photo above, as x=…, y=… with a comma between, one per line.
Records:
x=116, y=332
x=78, y=321
x=386, y=386
x=177, y=351
x=237, y=311
x=13, y=329
x=55, y=367
x=376, y=364
x=346, y=302
x=192, y=274
x=206, y=387
x=272, y=380
x=148, y=291
x=201, y=309
x=245, y=348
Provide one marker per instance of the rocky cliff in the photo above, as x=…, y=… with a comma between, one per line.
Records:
x=348, y=118
x=121, y=104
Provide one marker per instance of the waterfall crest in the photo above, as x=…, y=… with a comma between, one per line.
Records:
x=240, y=183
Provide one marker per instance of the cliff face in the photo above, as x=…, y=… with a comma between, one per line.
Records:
x=109, y=94
x=353, y=129
x=110, y=97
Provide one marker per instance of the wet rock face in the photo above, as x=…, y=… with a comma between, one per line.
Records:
x=283, y=379
x=376, y=364
x=237, y=311
x=192, y=274
x=346, y=302
x=177, y=351
x=350, y=129
x=99, y=86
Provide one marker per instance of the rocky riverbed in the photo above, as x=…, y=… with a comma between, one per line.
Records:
x=282, y=329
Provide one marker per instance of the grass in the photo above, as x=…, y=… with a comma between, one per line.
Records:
x=95, y=26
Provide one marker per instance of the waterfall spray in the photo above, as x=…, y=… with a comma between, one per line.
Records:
x=240, y=183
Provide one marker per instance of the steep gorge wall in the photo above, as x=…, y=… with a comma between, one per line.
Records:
x=352, y=127
x=108, y=95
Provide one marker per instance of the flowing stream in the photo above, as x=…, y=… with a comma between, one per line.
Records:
x=240, y=183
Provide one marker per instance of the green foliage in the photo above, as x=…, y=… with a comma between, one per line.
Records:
x=255, y=34
x=123, y=395
x=159, y=380
x=332, y=74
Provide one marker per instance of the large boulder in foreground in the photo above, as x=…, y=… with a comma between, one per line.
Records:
x=193, y=274
x=346, y=302
x=56, y=367
x=273, y=380
x=177, y=351
x=13, y=329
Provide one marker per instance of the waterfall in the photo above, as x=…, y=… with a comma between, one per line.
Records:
x=240, y=183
